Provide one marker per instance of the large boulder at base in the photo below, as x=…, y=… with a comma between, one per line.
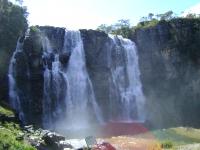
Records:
x=54, y=141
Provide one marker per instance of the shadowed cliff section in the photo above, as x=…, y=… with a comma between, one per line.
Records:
x=96, y=45
x=13, y=24
x=169, y=63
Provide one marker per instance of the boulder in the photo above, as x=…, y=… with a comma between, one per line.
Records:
x=53, y=140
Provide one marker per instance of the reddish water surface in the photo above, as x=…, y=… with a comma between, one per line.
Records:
x=128, y=136
x=122, y=136
x=121, y=128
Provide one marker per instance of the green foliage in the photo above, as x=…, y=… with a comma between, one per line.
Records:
x=146, y=24
x=9, y=133
x=124, y=31
x=192, y=16
x=13, y=24
x=8, y=141
x=152, y=20
x=105, y=28
x=166, y=16
x=178, y=136
x=5, y=111
x=167, y=144
x=122, y=27
x=34, y=29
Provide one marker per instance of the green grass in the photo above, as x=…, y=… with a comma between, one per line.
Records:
x=9, y=132
x=174, y=137
x=5, y=111
x=8, y=141
x=167, y=144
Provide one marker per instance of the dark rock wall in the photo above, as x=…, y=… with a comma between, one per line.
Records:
x=96, y=46
x=30, y=68
x=170, y=71
x=169, y=59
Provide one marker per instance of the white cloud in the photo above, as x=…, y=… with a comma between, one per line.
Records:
x=192, y=10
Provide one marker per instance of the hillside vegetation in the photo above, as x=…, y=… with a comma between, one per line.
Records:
x=11, y=135
x=13, y=23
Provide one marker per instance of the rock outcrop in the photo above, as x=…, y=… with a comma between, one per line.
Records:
x=30, y=68
x=96, y=45
x=169, y=63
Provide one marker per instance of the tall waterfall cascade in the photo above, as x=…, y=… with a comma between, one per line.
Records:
x=71, y=86
x=126, y=88
x=13, y=89
x=68, y=96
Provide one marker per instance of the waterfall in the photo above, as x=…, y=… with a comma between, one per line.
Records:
x=126, y=99
x=80, y=101
x=74, y=101
x=67, y=99
x=47, y=101
x=13, y=89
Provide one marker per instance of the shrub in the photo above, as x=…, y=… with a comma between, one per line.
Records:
x=167, y=144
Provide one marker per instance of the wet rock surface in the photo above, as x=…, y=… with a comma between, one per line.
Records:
x=169, y=64
x=47, y=140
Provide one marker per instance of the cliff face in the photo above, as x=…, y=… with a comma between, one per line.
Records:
x=169, y=60
x=96, y=45
x=169, y=57
x=29, y=71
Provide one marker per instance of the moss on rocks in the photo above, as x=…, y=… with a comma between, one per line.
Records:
x=11, y=135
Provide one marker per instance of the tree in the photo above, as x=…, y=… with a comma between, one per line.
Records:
x=122, y=23
x=143, y=19
x=166, y=16
x=107, y=29
x=13, y=23
x=20, y=2
x=122, y=27
x=150, y=16
x=191, y=15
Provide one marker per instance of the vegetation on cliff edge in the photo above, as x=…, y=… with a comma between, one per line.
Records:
x=123, y=27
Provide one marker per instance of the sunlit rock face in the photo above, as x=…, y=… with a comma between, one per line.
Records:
x=169, y=63
x=71, y=79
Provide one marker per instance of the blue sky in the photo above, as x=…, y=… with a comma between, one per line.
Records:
x=77, y=14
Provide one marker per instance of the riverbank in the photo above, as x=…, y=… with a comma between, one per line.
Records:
x=126, y=136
